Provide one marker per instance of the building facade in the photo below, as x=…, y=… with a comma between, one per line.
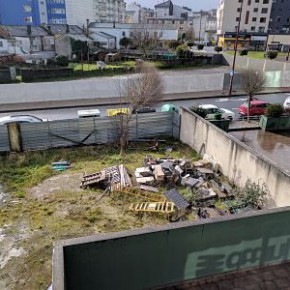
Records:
x=280, y=17
x=95, y=11
x=255, y=15
x=32, y=12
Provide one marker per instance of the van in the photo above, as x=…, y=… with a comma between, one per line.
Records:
x=257, y=107
x=92, y=113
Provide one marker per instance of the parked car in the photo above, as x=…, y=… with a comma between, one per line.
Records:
x=212, y=110
x=286, y=104
x=20, y=119
x=89, y=113
x=257, y=107
x=144, y=110
x=116, y=112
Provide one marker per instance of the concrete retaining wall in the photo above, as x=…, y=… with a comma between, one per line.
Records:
x=238, y=161
x=148, y=258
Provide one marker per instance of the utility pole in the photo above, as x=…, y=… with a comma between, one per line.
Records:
x=232, y=74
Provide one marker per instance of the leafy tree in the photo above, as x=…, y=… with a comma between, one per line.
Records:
x=253, y=82
x=125, y=42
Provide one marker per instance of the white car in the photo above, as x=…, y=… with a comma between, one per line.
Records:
x=20, y=119
x=212, y=110
x=286, y=104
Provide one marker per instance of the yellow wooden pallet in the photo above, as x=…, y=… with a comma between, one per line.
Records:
x=154, y=207
x=144, y=194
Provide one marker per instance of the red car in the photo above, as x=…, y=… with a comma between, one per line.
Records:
x=257, y=107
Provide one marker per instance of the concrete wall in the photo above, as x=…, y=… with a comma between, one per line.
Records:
x=104, y=87
x=238, y=161
x=147, y=258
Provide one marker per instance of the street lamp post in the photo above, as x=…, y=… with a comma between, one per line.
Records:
x=200, y=22
x=235, y=48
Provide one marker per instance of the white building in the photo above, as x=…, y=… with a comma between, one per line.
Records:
x=136, y=14
x=105, y=33
x=168, y=9
x=204, y=26
x=255, y=15
x=78, y=11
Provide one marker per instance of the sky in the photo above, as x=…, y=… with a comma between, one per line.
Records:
x=195, y=5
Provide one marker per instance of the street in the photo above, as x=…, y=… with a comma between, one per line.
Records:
x=231, y=103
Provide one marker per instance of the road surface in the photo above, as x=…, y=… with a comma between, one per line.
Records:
x=231, y=103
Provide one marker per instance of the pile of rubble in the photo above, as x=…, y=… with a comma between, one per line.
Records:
x=201, y=180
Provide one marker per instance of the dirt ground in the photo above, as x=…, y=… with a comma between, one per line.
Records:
x=55, y=209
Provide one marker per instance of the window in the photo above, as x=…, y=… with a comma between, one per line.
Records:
x=278, y=19
x=247, y=17
x=238, y=18
x=264, y=10
x=239, y=9
x=249, y=2
x=27, y=8
x=123, y=33
x=255, y=9
x=28, y=19
x=263, y=20
x=257, y=1
x=265, y=1
x=253, y=28
x=254, y=19
x=1, y=44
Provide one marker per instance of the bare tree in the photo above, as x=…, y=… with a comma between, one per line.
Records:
x=253, y=82
x=145, y=37
x=140, y=90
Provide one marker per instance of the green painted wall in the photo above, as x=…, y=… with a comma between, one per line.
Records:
x=178, y=252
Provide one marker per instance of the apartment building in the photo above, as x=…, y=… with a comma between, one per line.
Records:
x=32, y=12
x=135, y=13
x=78, y=11
x=280, y=17
x=255, y=15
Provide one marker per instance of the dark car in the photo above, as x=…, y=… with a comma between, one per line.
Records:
x=144, y=110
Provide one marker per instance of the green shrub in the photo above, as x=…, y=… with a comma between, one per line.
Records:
x=218, y=49
x=199, y=111
x=243, y=52
x=200, y=46
x=218, y=116
x=271, y=54
x=61, y=60
x=274, y=110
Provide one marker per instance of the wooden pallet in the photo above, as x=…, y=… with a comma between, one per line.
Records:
x=143, y=194
x=154, y=207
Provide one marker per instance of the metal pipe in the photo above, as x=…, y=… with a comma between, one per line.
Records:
x=235, y=48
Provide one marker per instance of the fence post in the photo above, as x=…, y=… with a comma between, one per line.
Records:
x=14, y=135
x=137, y=129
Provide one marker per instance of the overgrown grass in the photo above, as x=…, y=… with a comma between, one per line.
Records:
x=34, y=224
x=257, y=54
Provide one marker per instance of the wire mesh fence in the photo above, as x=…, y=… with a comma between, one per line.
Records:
x=90, y=131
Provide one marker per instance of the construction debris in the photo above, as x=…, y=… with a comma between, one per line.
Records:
x=116, y=177
x=179, y=201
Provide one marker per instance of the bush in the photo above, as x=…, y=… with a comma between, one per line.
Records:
x=243, y=52
x=199, y=111
x=274, y=110
x=61, y=60
x=218, y=116
x=218, y=49
x=51, y=62
x=271, y=54
x=200, y=46
x=173, y=44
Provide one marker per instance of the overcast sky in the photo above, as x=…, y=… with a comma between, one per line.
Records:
x=195, y=5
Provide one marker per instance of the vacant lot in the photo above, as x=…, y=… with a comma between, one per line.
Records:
x=39, y=206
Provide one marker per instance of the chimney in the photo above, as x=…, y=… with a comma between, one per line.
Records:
x=29, y=29
x=67, y=28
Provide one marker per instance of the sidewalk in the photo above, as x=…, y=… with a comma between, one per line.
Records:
x=43, y=105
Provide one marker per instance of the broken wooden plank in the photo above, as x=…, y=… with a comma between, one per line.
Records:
x=158, y=173
x=149, y=188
